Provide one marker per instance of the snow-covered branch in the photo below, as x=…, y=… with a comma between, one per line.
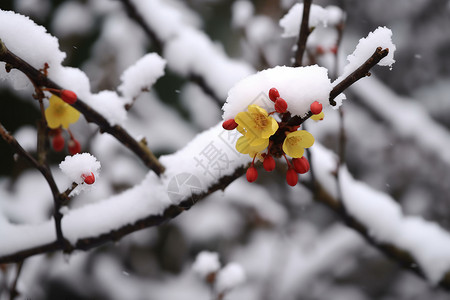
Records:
x=158, y=202
x=39, y=80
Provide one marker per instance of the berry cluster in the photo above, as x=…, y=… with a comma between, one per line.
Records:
x=58, y=142
x=266, y=138
x=59, y=115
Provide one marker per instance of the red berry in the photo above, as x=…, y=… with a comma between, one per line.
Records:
x=68, y=96
x=229, y=124
x=334, y=49
x=252, y=174
x=274, y=94
x=269, y=163
x=88, y=178
x=301, y=165
x=320, y=50
x=58, y=142
x=74, y=146
x=280, y=105
x=316, y=108
x=291, y=177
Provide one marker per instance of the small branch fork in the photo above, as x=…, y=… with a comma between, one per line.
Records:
x=58, y=198
x=359, y=73
x=40, y=80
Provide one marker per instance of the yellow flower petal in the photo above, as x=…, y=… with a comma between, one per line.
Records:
x=318, y=117
x=296, y=141
x=59, y=113
x=245, y=145
x=256, y=122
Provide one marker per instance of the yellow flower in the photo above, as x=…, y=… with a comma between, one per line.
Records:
x=257, y=123
x=59, y=113
x=318, y=117
x=251, y=146
x=295, y=143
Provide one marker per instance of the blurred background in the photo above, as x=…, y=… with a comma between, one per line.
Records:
x=289, y=246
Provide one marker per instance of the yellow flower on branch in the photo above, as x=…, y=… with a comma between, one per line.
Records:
x=59, y=113
x=318, y=117
x=295, y=143
x=256, y=122
x=251, y=147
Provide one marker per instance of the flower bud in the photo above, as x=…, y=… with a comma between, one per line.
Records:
x=320, y=50
x=316, y=108
x=68, y=96
x=274, y=94
x=281, y=105
x=291, y=177
x=58, y=142
x=252, y=174
x=88, y=178
x=229, y=124
x=269, y=163
x=301, y=165
x=74, y=146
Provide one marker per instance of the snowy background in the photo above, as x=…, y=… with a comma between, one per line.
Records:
x=265, y=239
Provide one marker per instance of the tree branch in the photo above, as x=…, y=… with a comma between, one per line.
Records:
x=401, y=256
x=115, y=235
x=40, y=80
x=359, y=73
x=304, y=33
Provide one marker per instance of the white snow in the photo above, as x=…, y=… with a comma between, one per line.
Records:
x=166, y=18
x=142, y=75
x=381, y=37
x=204, y=59
x=209, y=156
x=291, y=21
x=110, y=105
x=24, y=236
x=241, y=12
x=47, y=52
x=26, y=137
x=229, y=277
x=78, y=165
x=428, y=243
x=71, y=18
x=407, y=118
x=298, y=86
x=204, y=112
x=206, y=263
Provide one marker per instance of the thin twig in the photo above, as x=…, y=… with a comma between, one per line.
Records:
x=13, y=292
x=91, y=115
x=304, y=33
x=134, y=14
x=359, y=73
